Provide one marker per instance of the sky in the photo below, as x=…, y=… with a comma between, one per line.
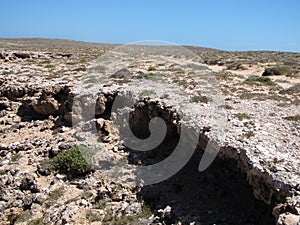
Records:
x=222, y=24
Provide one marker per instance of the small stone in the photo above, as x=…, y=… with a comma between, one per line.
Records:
x=260, y=148
x=166, y=212
x=84, y=202
x=4, y=162
x=27, y=201
x=44, y=169
x=3, y=206
x=3, y=147
x=14, y=145
x=117, y=197
x=61, y=177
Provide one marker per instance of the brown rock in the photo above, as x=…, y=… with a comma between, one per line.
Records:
x=46, y=107
x=100, y=105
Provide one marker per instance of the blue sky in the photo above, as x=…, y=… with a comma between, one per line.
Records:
x=221, y=24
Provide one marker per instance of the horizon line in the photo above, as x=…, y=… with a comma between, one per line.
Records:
x=134, y=43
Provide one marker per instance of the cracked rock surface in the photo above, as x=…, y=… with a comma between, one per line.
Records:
x=55, y=95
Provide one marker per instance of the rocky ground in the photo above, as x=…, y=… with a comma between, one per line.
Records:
x=245, y=104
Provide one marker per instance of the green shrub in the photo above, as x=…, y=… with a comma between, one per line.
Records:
x=71, y=162
x=23, y=217
x=242, y=116
x=37, y=221
x=53, y=197
x=260, y=81
x=278, y=70
x=199, y=98
x=49, y=66
x=46, y=61
x=226, y=106
x=148, y=75
x=92, y=216
x=83, y=60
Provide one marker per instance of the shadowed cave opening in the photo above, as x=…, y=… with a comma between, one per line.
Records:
x=218, y=195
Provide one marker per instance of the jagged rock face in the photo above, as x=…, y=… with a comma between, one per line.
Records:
x=49, y=101
x=107, y=132
x=46, y=107
x=13, y=92
x=146, y=110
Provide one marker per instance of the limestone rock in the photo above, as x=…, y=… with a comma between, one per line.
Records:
x=288, y=219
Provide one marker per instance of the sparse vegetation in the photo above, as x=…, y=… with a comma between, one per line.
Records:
x=83, y=60
x=46, y=61
x=242, y=116
x=30, y=61
x=147, y=93
x=49, y=66
x=199, y=98
x=16, y=157
x=249, y=134
x=91, y=79
x=111, y=219
x=37, y=221
x=80, y=61
x=262, y=96
x=278, y=70
x=226, y=106
x=54, y=196
x=71, y=162
x=101, y=204
x=260, y=81
x=99, y=198
x=23, y=217
x=92, y=216
x=180, y=82
x=148, y=75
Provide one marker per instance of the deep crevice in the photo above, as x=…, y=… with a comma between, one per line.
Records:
x=219, y=195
